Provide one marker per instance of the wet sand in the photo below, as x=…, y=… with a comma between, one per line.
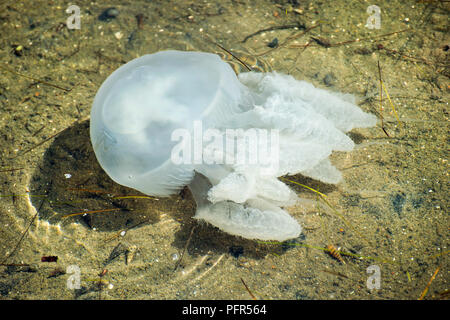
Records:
x=390, y=212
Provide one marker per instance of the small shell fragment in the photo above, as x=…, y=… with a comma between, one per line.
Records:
x=129, y=254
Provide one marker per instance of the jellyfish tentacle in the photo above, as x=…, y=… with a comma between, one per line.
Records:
x=255, y=219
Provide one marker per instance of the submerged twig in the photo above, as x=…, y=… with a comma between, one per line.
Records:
x=327, y=44
x=429, y=283
x=229, y=52
x=403, y=55
x=336, y=274
x=344, y=253
x=124, y=231
x=88, y=212
x=184, y=249
x=284, y=27
x=88, y=190
x=248, y=290
x=35, y=79
x=38, y=144
x=383, y=87
x=381, y=100
x=289, y=39
x=135, y=197
x=23, y=234
x=392, y=105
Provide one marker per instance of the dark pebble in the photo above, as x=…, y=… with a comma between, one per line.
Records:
x=273, y=43
x=236, y=251
x=329, y=79
x=108, y=14
x=398, y=202
x=417, y=202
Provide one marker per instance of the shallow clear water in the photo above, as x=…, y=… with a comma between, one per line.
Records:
x=390, y=212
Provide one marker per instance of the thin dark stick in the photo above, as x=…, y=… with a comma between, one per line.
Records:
x=243, y=63
x=127, y=229
x=289, y=39
x=37, y=145
x=248, y=290
x=336, y=273
x=184, y=249
x=403, y=55
x=325, y=43
x=35, y=79
x=381, y=99
x=369, y=38
x=289, y=26
x=23, y=235
x=39, y=130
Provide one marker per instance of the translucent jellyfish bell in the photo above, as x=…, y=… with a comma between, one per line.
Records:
x=142, y=104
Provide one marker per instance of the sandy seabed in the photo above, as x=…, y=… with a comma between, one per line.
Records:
x=390, y=211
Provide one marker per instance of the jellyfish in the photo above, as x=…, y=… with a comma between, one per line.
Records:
x=173, y=118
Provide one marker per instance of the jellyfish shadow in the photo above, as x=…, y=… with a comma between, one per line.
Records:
x=73, y=183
